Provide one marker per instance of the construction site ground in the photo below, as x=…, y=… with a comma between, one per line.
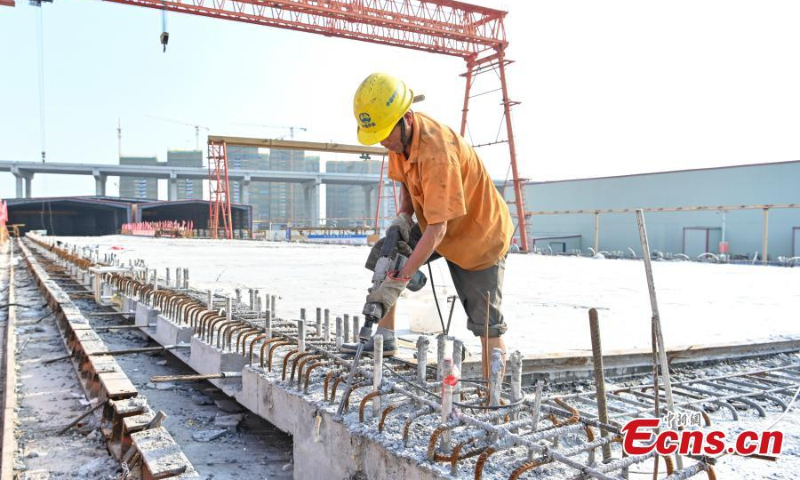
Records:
x=545, y=298
x=546, y=301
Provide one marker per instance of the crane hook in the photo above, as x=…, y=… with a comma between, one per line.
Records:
x=164, y=33
x=164, y=40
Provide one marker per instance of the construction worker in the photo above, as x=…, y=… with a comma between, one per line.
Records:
x=460, y=214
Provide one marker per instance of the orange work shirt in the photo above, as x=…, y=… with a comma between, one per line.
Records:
x=448, y=183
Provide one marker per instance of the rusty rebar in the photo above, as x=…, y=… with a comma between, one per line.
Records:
x=308, y=358
x=286, y=360
x=482, y=462
x=599, y=378
x=364, y=402
x=308, y=374
x=272, y=349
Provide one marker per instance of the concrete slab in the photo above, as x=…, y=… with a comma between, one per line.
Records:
x=323, y=448
x=167, y=333
x=145, y=316
x=205, y=358
x=250, y=394
x=129, y=305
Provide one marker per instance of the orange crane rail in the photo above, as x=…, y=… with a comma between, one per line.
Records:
x=438, y=26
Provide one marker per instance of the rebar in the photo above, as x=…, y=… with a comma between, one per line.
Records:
x=599, y=378
x=508, y=420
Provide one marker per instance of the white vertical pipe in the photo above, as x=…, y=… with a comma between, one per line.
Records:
x=339, y=334
x=515, y=364
x=495, y=377
x=765, y=240
x=301, y=336
x=327, y=325
x=596, y=232
x=377, y=372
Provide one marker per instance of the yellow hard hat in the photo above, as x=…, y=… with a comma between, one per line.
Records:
x=380, y=101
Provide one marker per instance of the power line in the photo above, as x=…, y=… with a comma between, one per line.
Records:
x=40, y=45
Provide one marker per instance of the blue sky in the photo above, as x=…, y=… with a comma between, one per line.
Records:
x=606, y=87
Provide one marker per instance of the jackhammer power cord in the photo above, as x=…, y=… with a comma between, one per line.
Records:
x=436, y=299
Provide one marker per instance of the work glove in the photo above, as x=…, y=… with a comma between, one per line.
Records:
x=388, y=291
x=404, y=249
x=404, y=222
x=375, y=253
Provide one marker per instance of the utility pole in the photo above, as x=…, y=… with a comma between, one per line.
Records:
x=119, y=137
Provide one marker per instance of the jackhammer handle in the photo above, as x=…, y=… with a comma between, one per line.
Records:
x=390, y=241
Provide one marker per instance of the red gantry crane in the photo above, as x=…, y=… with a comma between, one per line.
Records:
x=472, y=32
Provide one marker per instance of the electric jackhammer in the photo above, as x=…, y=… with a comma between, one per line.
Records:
x=391, y=259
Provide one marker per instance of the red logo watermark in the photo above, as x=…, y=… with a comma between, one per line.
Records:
x=640, y=438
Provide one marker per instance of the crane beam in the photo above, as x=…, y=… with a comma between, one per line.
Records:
x=297, y=145
x=437, y=26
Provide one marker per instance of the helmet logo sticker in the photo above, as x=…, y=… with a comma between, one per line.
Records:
x=391, y=99
x=366, y=120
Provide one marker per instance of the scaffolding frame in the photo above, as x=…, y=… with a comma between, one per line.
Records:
x=219, y=188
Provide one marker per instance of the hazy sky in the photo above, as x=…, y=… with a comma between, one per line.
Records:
x=607, y=87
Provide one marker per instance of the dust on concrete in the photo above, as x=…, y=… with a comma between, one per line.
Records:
x=545, y=298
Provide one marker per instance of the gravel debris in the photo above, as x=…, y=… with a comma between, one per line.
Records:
x=208, y=435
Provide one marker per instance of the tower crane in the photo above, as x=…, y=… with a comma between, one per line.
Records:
x=291, y=129
x=196, y=127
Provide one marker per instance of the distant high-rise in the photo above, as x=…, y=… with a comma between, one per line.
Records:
x=257, y=193
x=138, y=187
x=294, y=202
x=353, y=205
x=188, y=189
x=246, y=158
x=276, y=202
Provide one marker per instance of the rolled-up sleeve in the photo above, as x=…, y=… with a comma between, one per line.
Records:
x=443, y=189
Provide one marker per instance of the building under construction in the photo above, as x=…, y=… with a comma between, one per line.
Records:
x=353, y=205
